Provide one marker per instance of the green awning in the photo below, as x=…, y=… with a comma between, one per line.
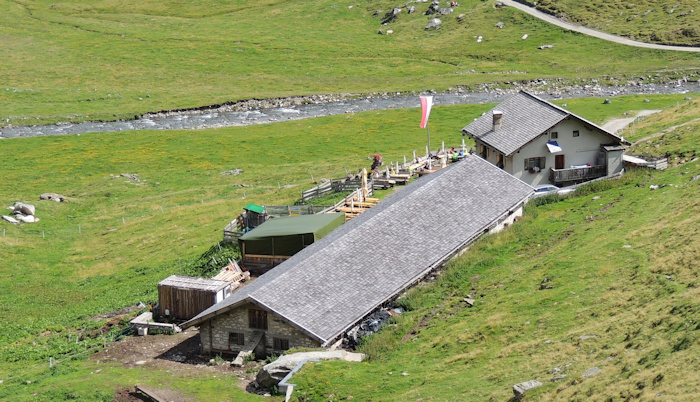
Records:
x=254, y=208
x=289, y=235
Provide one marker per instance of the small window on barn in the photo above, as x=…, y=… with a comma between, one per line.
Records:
x=576, y=133
x=554, y=135
x=257, y=319
x=484, y=151
x=236, y=339
x=280, y=344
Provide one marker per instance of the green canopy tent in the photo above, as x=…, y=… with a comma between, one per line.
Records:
x=280, y=238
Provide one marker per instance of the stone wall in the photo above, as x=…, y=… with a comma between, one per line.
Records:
x=215, y=332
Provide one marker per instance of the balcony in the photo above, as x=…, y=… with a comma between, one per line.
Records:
x=558, y=176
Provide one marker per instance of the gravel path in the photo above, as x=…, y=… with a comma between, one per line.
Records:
x=592, y=32
x=269, y=111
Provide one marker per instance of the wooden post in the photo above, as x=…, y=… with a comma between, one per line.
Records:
x=364, y=183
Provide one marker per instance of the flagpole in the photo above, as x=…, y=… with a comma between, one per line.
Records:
x=430, y=163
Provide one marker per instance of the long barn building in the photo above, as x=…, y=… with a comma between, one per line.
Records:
x=316, y=296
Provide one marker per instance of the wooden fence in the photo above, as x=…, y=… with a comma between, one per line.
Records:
x=334, y=186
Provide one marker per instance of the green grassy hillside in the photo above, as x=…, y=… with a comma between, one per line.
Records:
x=106, y=60
x=674, y=22
x=622, y=260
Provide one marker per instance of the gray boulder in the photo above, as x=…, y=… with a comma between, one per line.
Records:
x=434, y=8
x=391, y=15
x=52, y=197
x=500, y=25
x=593, y=371
x=10, y=219
x=434, y=24
x=26, y=209
x=520, y=389
x=27, y=218
x=411, y=9
x=271, y=374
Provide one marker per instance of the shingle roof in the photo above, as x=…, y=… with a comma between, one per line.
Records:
x=525, y=117
x=329, y=286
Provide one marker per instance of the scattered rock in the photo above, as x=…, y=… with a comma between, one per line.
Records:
x=470, y=302
x=688, y=98
x=271, y=374
x=391, y=15
x=10, y=219
x=500, y=25
x=241, y=185
x=389, y=31
x=404, y=373
x=434, y=24
x=559, y=377
x=559, y=369
x=585, y=337
x=130, y=176
x=434, y=8
x=520, y=389
x=232, y=172
x=597, y=197
x=545, y=47
x=545, y=284
x=26, y=209
x=140, y=363
x=411, y=9
x=607, y=102
x=479, y=39
x=524, y=37
x=627, y=246
x=27, y=218
x=695, y=178
x=654, y=187
x=593, y=371
x=646, y=100
x=446, y=11
x=52, y=197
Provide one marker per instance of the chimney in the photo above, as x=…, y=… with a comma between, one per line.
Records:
x=497, y=117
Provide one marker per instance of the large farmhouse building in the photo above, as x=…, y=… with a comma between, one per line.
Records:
x=542, y=143
x=320, y=293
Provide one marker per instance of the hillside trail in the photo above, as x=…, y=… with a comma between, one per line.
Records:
x=665, y=131
x=616, y=125
x=592, y=32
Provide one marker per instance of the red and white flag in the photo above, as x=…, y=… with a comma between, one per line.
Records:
x=426, y=102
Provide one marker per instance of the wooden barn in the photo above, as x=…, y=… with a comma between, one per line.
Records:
x=183, y=297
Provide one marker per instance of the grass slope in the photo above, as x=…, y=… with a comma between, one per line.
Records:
x=106, y=60
x=622, y=260
x=669, y=22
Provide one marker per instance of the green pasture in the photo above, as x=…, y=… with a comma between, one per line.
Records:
x=107, y=60
x=668, y=22
x=115, y=238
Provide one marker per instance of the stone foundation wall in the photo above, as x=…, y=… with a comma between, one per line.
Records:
x=237, y=321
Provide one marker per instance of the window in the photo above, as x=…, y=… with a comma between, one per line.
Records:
x=553, y=135
x=280, y=344
x=484, y=151
x=576, y=133
x=257, y=319
x=501, y=161
x=534, y=165
x=235, y=338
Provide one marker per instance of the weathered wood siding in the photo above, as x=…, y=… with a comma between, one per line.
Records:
x=183, y=304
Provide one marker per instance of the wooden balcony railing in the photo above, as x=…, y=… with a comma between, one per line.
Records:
x=577, y=174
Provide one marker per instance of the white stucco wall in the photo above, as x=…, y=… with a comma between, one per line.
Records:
x=581, y=150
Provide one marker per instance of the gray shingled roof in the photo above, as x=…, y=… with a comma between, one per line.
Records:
x=525, y=117
x=329, y=286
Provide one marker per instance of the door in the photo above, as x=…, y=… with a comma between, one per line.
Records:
x=558, y=162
